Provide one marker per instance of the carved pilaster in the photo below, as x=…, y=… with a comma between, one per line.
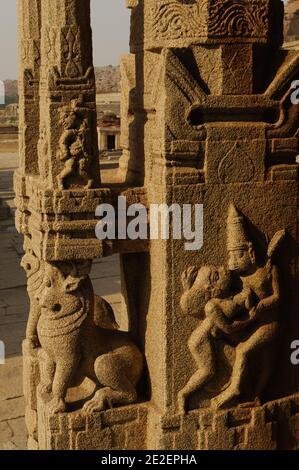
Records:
x=68, y=148
x=29, y=15
x=217, y=128
x=207, y=120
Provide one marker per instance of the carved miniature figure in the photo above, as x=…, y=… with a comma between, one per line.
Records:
x=73, y=145
x=210, y=287
x=261, y=328
x=249, y=318
x=74, y=347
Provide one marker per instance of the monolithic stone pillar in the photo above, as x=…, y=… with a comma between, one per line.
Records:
x=103, y=140
x=218, y=129
x=56, y=206
x=117, y=141
x=29, y=14
x=208, y=121
x=29, y=19
x=134, y=112
x=68, y=151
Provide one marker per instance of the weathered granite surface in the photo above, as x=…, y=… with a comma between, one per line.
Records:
x=207, y=118
x=14, y=307
x=292, y=20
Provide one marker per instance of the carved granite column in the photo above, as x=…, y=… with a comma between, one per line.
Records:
x=29, y=16
x=207, y=119
x=212, y=97
x=70, y=356
x=68, y=143
x=29, y=13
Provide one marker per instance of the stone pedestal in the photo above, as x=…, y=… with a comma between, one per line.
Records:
x=118, y=429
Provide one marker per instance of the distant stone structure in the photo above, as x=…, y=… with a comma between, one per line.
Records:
x=9, y=122
x=2, y=93
x=108, y=103
x=109, y=133
x=108, y=79
x=207, y=120
x=9, y=114
x=292, y=21
x=108, y=116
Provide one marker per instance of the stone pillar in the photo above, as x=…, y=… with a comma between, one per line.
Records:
x=29, y=14
x=103, y=140
x=207, y=121
x=134, y=112
x=68, y=145
x=56, y=206
x=29, y=20
x=213, y=133
x=117, y=140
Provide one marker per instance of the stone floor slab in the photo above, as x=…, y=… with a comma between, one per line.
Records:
x=12, y=409
x=10, y=374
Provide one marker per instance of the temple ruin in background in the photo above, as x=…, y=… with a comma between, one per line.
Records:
x=292, y=21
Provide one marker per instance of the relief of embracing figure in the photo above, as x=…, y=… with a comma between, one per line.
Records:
x=248, y=318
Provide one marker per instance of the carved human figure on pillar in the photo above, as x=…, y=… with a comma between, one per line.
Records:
x=248, y=318
x=256, y=334
x=75, y=146
x=212, y=289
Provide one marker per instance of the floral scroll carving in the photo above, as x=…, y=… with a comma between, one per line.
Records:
x=238, y=18
x=174, y=20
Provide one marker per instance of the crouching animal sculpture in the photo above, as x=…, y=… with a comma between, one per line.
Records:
x=73, y=347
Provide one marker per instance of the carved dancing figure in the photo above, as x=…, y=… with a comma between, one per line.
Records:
x=73, y=149
x=210, y=290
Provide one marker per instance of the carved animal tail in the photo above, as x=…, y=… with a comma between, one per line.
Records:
x=275, y=244
x=35, y=272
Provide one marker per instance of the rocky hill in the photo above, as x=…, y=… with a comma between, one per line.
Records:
x=11, y=91
x=107, y=79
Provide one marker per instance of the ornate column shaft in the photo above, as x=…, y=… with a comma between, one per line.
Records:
x=212, y=96
x=208, y=120
x=56, y=204
x=29, y=17
x=68, y=150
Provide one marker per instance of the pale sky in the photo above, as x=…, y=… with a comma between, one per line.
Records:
x=110, y=23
